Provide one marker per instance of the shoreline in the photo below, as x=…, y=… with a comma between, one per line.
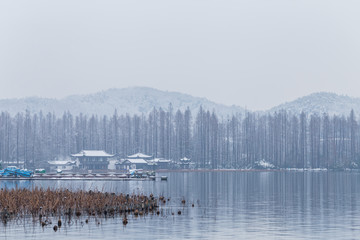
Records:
x=260, y=170
x=112, y=177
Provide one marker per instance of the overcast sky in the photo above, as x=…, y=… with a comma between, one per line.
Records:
x=251, y=53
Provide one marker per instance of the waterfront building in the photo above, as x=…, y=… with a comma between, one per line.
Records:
x=135, y=161
x=139, y=156
x=93, y=160
x=135, y=164
x=142, y=161
x=159, y=163
x=185, y=163
x=18, y=164
x=63, y=165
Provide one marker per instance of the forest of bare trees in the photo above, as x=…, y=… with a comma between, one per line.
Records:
x=282, y=139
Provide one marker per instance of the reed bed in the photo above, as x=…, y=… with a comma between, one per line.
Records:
x=43, y=204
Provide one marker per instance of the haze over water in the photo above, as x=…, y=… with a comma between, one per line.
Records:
x=228, y=205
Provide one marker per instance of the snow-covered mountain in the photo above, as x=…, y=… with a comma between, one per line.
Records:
x=134, y=100
x=137, y=100
x=320, y=103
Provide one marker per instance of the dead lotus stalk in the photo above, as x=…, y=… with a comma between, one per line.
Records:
x=42, y=204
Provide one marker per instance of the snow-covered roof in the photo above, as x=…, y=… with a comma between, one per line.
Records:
x=63, y=162
x=264, y=164
x=137, y=161
x=92, y=153
x=139, y=155
x=160, y=160
x=12, y=162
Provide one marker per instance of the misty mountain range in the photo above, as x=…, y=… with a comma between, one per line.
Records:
x=323, y=102
x=138, y=100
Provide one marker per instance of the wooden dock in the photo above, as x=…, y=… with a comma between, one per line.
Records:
x=81, y=177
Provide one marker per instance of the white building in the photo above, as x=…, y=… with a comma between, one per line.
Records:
x=159, y=163
x=139, y=156
x=185, y=162
x=63, y=165
x=93, y=159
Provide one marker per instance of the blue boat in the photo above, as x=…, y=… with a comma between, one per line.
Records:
x=15, y=172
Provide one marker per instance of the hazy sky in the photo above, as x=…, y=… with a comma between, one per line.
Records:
x=253, y=53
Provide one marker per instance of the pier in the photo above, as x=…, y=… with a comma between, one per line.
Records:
x=92, y=177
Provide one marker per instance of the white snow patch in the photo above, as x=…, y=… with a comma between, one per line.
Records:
x=264, y=164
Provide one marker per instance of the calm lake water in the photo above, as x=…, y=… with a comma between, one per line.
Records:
x=228, y=205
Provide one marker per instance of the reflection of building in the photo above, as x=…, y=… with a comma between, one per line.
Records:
x=93, y=159
x=64, y=165
x=185, y=162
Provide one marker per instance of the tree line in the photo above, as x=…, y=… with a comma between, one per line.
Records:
x=239, y=141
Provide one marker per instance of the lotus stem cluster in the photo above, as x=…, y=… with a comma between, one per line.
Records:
x=43, y=204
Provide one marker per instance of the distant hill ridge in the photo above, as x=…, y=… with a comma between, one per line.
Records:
x=138, y=100
x=135, y=100
x=322, y=102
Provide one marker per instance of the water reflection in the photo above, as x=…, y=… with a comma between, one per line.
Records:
x=13, y=184
x=228, y=205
